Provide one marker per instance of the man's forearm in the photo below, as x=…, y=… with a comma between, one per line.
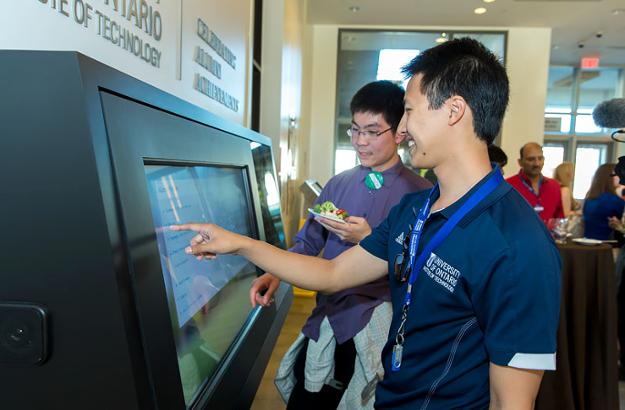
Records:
x=352, y=268
x=306, y=272
x=512, y=388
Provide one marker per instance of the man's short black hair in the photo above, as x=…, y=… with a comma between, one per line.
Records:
x=466, y=68
x=380, y=97
x=496, y=154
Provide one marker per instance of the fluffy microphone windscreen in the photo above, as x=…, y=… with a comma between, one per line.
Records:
x=610, y=113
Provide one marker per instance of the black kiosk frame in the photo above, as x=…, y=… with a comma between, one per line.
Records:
x=80, y=268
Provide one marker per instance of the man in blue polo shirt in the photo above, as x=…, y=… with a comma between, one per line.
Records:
x=476, y=287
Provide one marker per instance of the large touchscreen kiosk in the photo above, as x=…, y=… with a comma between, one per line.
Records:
x=207, y=299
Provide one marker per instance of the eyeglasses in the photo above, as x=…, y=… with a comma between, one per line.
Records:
x=353, y=132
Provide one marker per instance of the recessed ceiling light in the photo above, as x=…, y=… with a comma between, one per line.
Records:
x=354, y=9
x=617, y=12
x=480, y=10
x=488, y=1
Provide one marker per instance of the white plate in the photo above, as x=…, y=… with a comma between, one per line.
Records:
x=332, y=218
x=587, y=241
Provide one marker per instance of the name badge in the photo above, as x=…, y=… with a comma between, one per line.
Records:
x=539, y=208
x=374, y=180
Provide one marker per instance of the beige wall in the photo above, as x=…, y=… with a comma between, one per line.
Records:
x=271, y=72
x=528, y=68
x=528, y=51
x=284, y=79
x=322, y=102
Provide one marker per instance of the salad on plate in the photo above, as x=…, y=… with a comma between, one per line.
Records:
x=330, y=211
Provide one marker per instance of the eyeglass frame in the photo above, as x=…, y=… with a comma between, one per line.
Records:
x=366, y=133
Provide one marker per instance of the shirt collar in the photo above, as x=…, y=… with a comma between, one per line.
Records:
x=527, y=181
x=493, y=197
x=390, y=175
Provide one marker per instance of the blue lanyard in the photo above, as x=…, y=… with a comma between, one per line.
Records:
x=486, y=189
x=530, y=187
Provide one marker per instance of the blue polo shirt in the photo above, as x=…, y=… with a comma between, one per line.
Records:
x=489, y=293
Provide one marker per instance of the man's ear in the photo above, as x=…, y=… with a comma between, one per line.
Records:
x=457, y=107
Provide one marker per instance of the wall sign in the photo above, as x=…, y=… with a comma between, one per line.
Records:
x=139, y=13
x=215, y=56
x=197, y=50
x=203, y=84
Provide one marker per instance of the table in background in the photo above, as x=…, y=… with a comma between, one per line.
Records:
x=586, y=361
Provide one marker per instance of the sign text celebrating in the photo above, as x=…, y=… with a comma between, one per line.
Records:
x=204, y=59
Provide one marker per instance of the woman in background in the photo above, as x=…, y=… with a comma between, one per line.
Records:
x=602, y=203
x=619, y=225
x=564, y=175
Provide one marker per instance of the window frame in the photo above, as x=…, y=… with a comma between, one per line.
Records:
x=573, y=139
x=339, y=121
x=575, y=98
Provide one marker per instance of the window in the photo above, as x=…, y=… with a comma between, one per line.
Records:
x=345, y=158
x=595, y=86
x=570, y=132
x=559, y=97
x=554, y=156
x=390, y=63
x=588, y=157
x=370, y=55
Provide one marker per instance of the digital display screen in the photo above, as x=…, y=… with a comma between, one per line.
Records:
x=269, y=194
x=208, y=300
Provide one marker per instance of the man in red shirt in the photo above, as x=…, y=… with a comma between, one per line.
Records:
x=542, y=193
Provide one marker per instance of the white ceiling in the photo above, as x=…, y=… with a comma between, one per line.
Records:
x=573, y=22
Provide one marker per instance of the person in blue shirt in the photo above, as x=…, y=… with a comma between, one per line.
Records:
x=602, y=203
x=474, y=274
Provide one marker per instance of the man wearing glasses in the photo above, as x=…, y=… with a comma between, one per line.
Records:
x=476, y=295
x=354, y=321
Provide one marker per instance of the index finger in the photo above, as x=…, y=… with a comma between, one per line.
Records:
x=252, y=295
x=188, y=227
x=355, y=220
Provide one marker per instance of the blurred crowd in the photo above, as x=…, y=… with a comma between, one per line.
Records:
x=598, y=216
